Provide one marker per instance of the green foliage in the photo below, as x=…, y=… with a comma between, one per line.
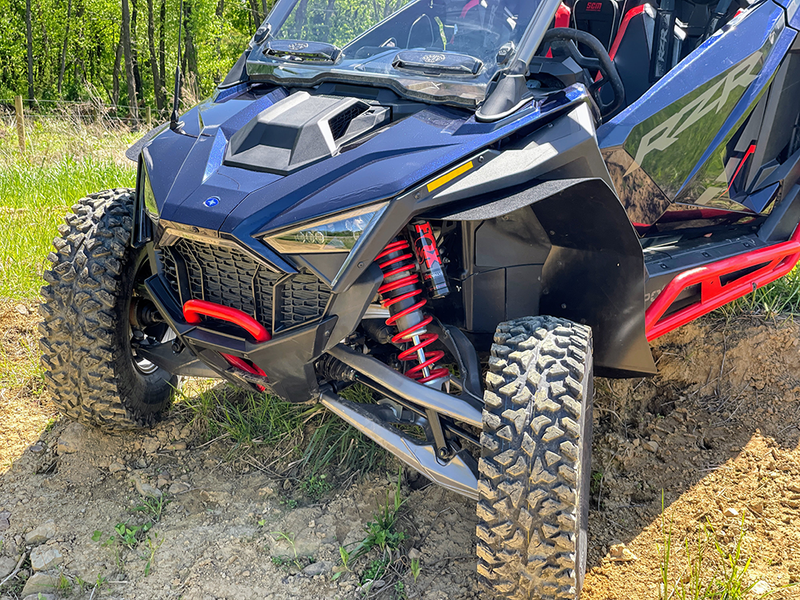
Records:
x=298, y=562
x=715, y=570
x=382, y=532
x=316, y=439
x=414, y=568
x=152, y=508
x=779, y=297
x=66, y=160
x=216, y=33
x=316, y=486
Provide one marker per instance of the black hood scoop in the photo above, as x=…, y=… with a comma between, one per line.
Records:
x=301, y=129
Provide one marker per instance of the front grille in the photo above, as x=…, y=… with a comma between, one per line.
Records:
x=231, y=277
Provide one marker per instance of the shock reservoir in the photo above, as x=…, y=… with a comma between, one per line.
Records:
x=429, y=259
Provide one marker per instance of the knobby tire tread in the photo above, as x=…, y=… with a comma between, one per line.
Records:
x=81, y=312
x=533, y=475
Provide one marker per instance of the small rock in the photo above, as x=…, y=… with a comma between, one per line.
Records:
x=414, y=554
x=321, y=567
x=619, y=553
x=730, y=512
x=40, y=534
x=144, y=488
x=40, y=596
x=141, y=463
x=177, y=446
x=22, y=309
x=245, y=573
x=178, y=488
x=151, y=445
x=45, y=557
x=377, y=584
x=36, y=448
x=757, y=507
x=5, y=516
x=115, y=467
x=651, y=445
x=71, y=440
x=793, y=487
x=312, y=524
x=266, y=491
x=760, y=587
x=161, y=482
x=7, y=566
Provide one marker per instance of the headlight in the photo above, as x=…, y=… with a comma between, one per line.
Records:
x=334, y=234
x=148, y=198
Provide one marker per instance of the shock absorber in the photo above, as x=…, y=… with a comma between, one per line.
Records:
x=400, y=295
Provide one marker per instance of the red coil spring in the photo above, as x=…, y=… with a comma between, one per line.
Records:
x=405, y=262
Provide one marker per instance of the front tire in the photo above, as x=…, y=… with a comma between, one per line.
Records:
x=91, y=368
x=535, y=460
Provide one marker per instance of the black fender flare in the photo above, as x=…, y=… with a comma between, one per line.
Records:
x=594, y=272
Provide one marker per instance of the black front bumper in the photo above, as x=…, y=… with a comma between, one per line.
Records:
x=301, y=313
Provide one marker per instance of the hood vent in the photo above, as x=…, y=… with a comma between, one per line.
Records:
x=299, y=130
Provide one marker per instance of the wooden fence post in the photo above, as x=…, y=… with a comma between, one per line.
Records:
x=149, y=118
x=20, y=123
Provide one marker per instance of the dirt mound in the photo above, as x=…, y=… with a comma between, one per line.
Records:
x=716, y=432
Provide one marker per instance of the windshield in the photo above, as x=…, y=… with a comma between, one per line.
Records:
x=442, y=50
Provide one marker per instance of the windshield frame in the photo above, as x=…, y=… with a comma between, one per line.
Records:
x=448, y=89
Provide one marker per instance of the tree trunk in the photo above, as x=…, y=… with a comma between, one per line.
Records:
x=115, y=75
x=162, y=54
x=220, y=8
x=158, y=92
x=254, y=13
x=29, y=44
x=137, y=74
x=300, y=19
x=64, y=48
x=126, y=48
x=189, y=49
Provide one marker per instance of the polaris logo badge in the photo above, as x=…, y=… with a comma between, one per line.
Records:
x=433, y=58
x=213, y=201
x=297, y=46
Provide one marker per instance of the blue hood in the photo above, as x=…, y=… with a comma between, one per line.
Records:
x=187, y=169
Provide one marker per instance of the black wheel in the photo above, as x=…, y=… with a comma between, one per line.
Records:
x=535, y=465
x=89, y=324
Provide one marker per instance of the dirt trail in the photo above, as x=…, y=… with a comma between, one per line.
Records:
x=717, y=431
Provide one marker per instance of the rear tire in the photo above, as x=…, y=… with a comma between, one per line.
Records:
x=90, y=367
x=535, y=465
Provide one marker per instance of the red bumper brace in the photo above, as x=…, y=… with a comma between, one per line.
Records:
x=194, y=309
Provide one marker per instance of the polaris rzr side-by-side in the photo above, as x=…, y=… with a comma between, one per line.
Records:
x=468, y=206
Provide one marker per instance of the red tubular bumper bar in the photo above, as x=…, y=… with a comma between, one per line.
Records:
x=777, y=261
x=193, y=309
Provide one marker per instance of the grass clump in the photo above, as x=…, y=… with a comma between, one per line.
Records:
x=307, y=441
x=383, y=544
x=782, y=296
x=714, y=570
x=127, y=536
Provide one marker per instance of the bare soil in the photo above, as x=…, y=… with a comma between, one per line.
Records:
x=716, y=431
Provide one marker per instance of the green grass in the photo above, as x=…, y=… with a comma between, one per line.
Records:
x=65, y=160
x=313, y=440
x=711, y=567
x=779, y=297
